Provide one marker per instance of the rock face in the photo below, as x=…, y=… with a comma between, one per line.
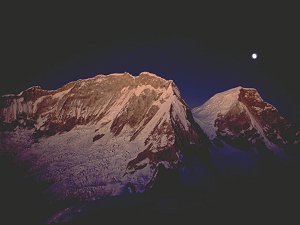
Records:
x=100, y=136
x=241, y=118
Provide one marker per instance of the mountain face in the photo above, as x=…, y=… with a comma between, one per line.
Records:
x=116, y=134
x=240, y=118
x=102, y=136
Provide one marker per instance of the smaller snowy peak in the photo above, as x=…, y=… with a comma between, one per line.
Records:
x=240, y=116
x=220, y=103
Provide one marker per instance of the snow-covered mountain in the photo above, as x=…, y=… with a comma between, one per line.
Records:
x=114, y=134
x=101, y=136
x=241, y=118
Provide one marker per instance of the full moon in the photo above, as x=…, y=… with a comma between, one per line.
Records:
x=254, y=56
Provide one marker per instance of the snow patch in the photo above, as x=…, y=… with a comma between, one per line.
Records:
x=207, y=114
x=61, y=93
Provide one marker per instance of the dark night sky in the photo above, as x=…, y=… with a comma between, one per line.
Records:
x=204, y=49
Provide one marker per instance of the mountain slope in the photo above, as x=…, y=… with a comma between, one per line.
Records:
x=100, y=136
x=241, y=118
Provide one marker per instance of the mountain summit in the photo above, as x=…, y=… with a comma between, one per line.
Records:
x=240, y=117
x=101, y=136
